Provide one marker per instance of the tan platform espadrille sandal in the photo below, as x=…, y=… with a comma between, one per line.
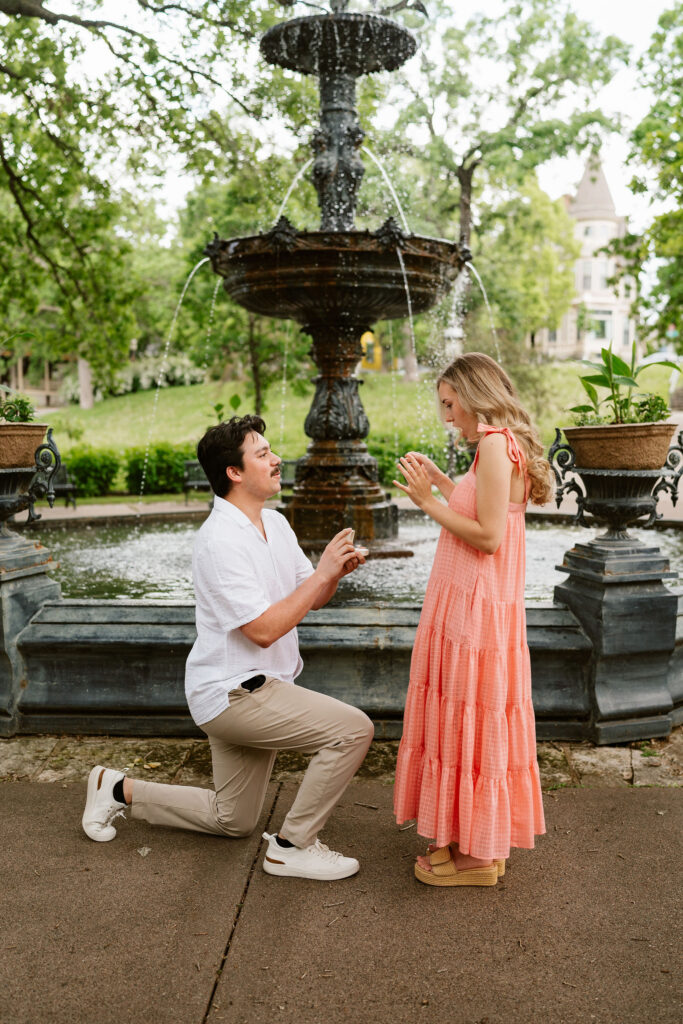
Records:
x=445, y=873
x=500, y=863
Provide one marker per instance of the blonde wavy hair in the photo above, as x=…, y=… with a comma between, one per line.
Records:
x=485, y=391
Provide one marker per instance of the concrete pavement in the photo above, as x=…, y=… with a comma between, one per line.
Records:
x=172, y=927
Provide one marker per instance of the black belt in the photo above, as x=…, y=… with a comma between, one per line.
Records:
x=253, y=683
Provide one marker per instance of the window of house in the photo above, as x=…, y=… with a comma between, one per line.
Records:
x=603, y=272
x=587, y=275
x=600, y=324
x=626, y=338
x=552, y=336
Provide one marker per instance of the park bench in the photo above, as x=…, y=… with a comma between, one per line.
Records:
x=194, y=478
x=63, y=486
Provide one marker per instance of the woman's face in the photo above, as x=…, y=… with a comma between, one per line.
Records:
x=453, y=413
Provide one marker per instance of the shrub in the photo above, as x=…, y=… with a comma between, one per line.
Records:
x=15, y=408
x=142, y=375
x=165, y=468
x=92, y=470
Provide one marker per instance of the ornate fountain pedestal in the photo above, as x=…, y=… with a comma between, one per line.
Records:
x=615, y=588
x=24, y=585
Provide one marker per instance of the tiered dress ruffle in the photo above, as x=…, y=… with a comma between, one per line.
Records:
x=467, y=768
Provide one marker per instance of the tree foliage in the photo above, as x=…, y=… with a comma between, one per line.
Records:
x=92, y=105
x=657, y=144
x=500, y=96
x=526, y=255
x=86, y=102
x=243, y=199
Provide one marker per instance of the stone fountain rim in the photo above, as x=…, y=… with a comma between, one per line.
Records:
x=365, y=240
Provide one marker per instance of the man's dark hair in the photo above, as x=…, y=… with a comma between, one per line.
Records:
x=221, y=447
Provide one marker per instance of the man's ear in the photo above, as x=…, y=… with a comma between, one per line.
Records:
x=234, y=474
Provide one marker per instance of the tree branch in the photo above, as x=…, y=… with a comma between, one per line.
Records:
x=4, y=70
x=194, y=15
x=15, y=187
x=194, y=72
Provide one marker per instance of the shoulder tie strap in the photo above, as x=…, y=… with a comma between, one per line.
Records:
x=515, y=453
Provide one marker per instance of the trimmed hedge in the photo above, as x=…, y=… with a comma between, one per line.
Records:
x=92, y=470
x=164, y=471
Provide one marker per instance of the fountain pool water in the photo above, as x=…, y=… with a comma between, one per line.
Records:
x=153, y=561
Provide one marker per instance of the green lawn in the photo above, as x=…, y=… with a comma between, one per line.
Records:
x=394, y=407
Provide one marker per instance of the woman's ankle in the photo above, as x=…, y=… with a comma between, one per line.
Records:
x=465, y=860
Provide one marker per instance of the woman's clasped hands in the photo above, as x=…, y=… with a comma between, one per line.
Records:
x=419, y=473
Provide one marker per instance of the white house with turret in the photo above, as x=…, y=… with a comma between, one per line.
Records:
x=598, y=314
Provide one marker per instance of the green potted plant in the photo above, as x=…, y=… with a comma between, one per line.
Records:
x=622, y=428
x=19, y=435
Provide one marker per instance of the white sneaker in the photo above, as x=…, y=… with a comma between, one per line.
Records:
x=100, y=805
x=316, y=861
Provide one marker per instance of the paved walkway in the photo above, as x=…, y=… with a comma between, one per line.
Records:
x=173, y=927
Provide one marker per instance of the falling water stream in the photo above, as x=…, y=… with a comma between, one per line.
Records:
x=297, y=177
x=389, y=185
x=162, y=367
x=423, y=387
x=471, y=267
x=394, y=394
x=209, y=329
x=283, y=391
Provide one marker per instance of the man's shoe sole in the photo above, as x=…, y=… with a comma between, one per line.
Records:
x=272, y=867
x=92, y=792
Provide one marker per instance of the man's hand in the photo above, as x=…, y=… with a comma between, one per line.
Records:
x=340, y=557
x=358, y=558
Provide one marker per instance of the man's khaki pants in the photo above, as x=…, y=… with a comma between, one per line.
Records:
x=244, y=740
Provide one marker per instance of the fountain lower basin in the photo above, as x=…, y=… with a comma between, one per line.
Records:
x=153, y=561
x=92, y=665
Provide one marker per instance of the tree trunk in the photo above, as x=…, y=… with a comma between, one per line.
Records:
x=465, y=177
x=85, y=390
x=255, y=369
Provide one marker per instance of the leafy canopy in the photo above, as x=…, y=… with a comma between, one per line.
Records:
x=657, y=144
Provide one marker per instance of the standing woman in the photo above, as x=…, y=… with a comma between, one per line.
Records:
x=467, y=768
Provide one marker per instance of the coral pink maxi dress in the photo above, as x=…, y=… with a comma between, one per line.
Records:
x=467, y=768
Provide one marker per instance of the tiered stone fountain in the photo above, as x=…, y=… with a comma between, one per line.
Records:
x=337, y=282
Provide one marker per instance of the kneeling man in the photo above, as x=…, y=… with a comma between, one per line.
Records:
x=253, y=585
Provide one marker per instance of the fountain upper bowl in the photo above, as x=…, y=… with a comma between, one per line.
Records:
x=353, y=44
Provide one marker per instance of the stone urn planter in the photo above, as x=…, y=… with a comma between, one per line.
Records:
x=26, y=476
x=622, y=472
x=631, y=446
x=18, y=443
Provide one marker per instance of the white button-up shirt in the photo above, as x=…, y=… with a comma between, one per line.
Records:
x=238, y=575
